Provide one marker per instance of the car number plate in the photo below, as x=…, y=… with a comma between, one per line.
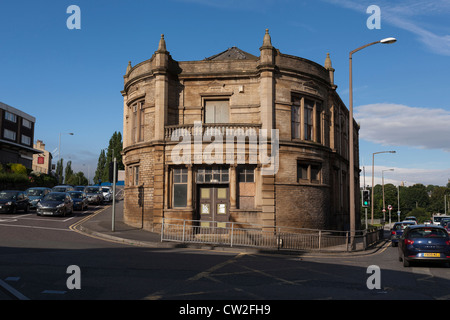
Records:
x=431, y=254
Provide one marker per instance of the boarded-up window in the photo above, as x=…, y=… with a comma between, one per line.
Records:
x=247, y=187
x=216, y=111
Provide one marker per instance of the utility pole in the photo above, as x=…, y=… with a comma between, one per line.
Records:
x=114, y=194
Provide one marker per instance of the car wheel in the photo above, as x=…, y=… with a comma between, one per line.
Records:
x=405, y=262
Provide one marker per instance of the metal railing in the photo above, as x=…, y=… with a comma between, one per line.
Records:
x=280, y=238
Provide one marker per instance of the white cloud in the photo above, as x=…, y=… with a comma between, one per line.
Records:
x=399, y=125
x=405, y=14
x=406, y=176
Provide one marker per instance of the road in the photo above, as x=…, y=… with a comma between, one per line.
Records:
x=35, y=253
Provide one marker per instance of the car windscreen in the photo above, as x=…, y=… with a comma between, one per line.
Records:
x=92, y=190
x=76, y=195
x=35, y=192
x=55, y=197
x=5, y=195
x=401, y=226
x=427, y=233
x=62, y=189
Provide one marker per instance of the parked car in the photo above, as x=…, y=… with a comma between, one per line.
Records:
x=444, y=221
x=80, y=201
x=107, y=194
x=63, y=188
x=79, y=188
x=94, y=194
x=410, y=218
x=447, y=227
x=55, y=203
x=427, y=222
x=437, y=219
x=36, y=194
x=424, y=243
x=397, y=231
x=13, y=200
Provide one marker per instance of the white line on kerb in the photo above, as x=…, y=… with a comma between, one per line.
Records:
x=13, y=291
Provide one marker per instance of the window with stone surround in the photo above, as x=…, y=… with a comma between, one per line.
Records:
x=133, y=175
x=179, y=185
x=306, y=118
x=309, y=171
x=137, y=122
x=216, y=111
x=246, y=187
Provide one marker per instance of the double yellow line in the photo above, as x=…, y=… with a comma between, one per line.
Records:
x=74, y=226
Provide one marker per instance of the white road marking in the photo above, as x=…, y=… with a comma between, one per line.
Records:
x=34, y=227
x=13, y=291
x=54, y=292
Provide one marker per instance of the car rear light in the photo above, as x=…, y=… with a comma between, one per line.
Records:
x=447, y=242
x=393, y=232
x=409, y=241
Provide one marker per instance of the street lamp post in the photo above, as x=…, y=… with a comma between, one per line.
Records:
x=382, y=187
x=352, y=160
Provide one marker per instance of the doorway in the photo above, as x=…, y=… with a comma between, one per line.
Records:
x=213, y=205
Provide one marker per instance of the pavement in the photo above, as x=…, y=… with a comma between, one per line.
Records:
x=100, y=225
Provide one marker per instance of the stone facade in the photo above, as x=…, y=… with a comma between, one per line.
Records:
x=42, y=162
x=235, y=90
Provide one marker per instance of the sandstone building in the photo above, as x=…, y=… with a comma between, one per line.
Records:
x=233, y=90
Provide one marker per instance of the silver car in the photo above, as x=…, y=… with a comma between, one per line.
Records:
x=94, y=194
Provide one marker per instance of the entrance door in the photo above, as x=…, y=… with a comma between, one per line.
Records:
x=214, y=206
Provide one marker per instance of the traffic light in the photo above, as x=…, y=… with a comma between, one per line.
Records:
x=365, y=198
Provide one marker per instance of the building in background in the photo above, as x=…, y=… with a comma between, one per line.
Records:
x=235, y=90
x=16, y=136
x=42, y=162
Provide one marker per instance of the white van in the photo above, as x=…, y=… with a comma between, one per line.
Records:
x=437, y=218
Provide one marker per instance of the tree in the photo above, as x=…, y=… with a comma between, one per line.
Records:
x=98, y=177
x=59, y=170
x=77, y=179
x=68, y=172
x=416, y=196
x=114, y=150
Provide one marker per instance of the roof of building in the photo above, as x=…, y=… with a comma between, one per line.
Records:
x=232, y=53
x=17, y=112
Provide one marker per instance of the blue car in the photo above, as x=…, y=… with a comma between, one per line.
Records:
x=397, y=231
x=424, y=243
x=80, y=201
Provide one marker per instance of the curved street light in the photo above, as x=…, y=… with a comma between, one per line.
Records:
x=352, y=160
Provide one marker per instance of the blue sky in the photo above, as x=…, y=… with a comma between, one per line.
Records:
x=70, y=80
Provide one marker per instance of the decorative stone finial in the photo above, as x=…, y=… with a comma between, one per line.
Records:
x=129, y=67
x=330, y=69
x=162, y=44
x=328, y=65
x=267, y=41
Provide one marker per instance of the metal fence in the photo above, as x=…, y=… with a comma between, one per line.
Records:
x=235, y=234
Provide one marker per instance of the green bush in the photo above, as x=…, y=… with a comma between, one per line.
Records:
x=13, y=181
x=18, y=168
